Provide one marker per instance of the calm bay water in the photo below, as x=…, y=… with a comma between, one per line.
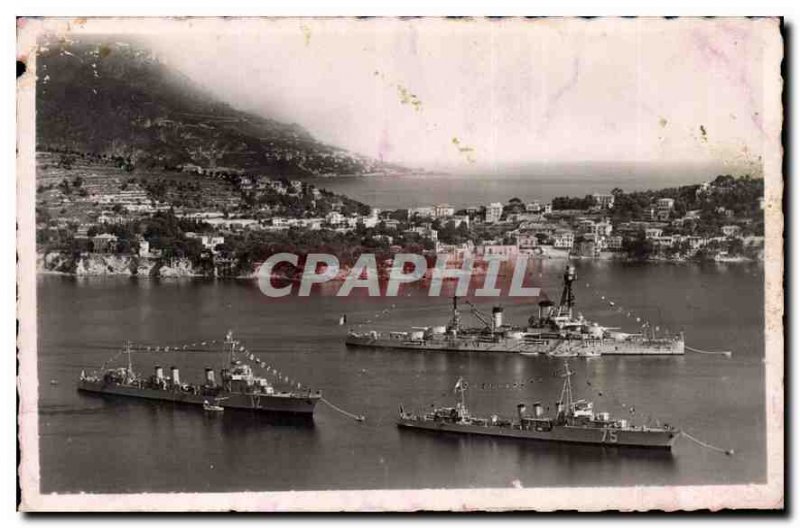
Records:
x=98, y=444
x=536, y=183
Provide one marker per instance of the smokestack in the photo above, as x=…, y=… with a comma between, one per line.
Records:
x=159, y=373
x=210, y=377
x=497, y=316
x=521, y=410
x=545, y=307
x=537, y=410
x=176, y=376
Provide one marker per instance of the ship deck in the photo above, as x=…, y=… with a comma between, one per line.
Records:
x=274, y=403
x=611, y=437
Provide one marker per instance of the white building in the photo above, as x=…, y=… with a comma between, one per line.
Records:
x=602, y=229
x=615, y=242
x=208, y=241
x=533, y=207
x=391, y=223
x=427, y=232
x=652, y=233
x=527, y=241
x=494, y=212
x=664, y=207
x=665, y=241
x=334, y=218
x=585, y=225
x=104, y=243
x=604, y=201
x=563, y=239
x=503, y=250
x=443, y=211
x=422, y=212
x=369, y=221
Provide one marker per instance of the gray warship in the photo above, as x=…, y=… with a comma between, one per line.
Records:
x=575, y=422
x=553, y=331
x=238, y=388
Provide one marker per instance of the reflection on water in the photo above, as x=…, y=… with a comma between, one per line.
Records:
x=116, y=444
x=497, y=462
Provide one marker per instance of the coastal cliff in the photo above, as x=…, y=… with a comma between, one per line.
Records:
x=112, y=265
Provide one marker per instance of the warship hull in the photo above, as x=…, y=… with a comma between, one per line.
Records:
x=566, y=434
x=554, y=332
x=548, y=347
x=290, y=403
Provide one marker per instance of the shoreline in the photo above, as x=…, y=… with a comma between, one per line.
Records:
x=253, y=276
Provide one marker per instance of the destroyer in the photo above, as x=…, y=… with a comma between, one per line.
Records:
x=575, y=422
x=239, y=388
x=554, y=331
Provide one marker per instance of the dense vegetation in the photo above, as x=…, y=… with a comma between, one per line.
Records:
x=562, y=203
x=727, y=200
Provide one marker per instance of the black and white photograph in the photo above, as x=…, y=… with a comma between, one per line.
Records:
x=400, y=264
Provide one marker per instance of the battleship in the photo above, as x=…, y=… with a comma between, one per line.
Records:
x=575, y=422
x=553, y=331
x=238, y=388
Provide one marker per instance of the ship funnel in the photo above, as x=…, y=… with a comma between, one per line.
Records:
x=210, y=377
x=176, y=376
x=159, y=373
x=537, y=410
x=497, y=316
x=545, y=307
x=521, y=411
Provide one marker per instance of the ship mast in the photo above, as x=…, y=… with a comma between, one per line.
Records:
x=566, y=389
x=455, y=322
x=232, y=344
x=130, y=363
x=461, y=387
x=567, y=295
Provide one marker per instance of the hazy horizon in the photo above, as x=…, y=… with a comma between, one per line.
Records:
x=489, y=96
x=543, y=183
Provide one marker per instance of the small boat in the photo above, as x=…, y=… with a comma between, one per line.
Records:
x=212, y=407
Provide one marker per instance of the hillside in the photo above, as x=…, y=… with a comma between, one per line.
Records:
x=116, y=100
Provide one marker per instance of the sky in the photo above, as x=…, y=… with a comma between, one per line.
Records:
x=461, y=94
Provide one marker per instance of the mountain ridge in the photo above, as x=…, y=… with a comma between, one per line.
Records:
x=118, y=99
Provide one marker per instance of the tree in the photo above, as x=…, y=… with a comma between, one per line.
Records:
x=567, y=203
x=639, y=248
